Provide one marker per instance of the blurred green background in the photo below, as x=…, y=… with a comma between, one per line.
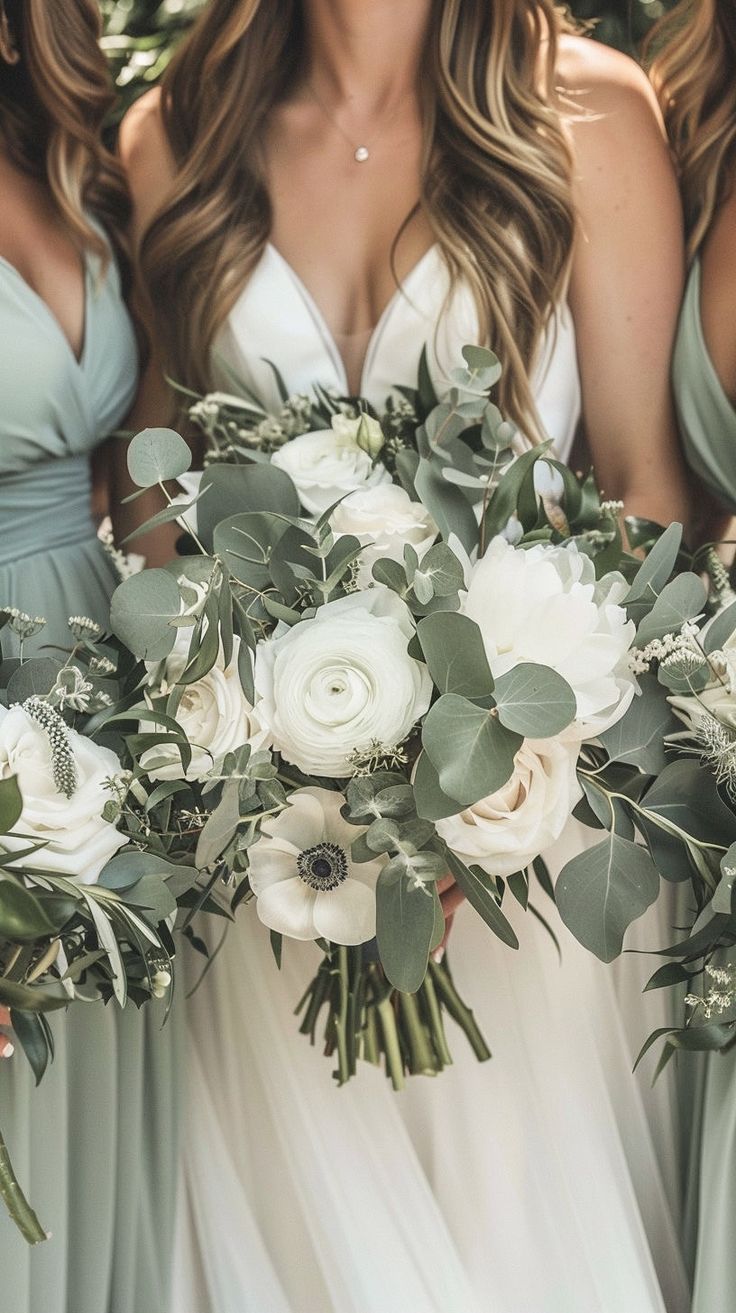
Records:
x=141, y=33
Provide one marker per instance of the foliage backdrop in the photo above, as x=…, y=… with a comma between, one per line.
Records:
x=141, y=33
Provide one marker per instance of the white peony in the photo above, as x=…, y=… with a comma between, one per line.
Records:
x=62, y=779
x=504, y=832
x=383, y=519
x=303, y=876
x=342, y=681
x=213, y=712
x=326, y=465
x=543, y=604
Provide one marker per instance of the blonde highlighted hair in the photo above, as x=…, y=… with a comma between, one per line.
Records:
x=496, y=172
x=694, y=74
x=53, y=103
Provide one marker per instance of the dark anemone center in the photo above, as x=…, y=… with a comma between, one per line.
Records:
x=323, y=867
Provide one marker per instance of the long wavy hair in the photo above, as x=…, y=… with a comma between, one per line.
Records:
x=496, y=172
x=694, y=73
x=53, y=102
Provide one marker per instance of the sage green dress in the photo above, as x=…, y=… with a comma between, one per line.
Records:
x=708, y=427
x=95, y=1146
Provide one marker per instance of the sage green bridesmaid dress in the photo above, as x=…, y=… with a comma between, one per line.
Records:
x=95, y=1146
x=708, y=427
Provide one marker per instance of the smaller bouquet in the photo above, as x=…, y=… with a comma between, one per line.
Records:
x=85, y=910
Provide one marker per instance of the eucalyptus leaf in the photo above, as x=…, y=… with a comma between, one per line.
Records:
x=34, y=678
x=243, y=489
x=656, y=569
x=638, y=737
x=405, y=921
x=685, y=796
x=471, y=750
x=220, y=827
x=431, y=802
x=157, y=456
x=453, y=649
x=481, y=894
x=31, y=1032
x=720, y=629
x=681, y=600
x=534, y=701
x=22, y=917
x=602, y=890
x=11, y=803
x=141, y=613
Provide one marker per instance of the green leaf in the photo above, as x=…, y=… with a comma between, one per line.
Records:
x=31, y=1032
x=534, y=701
x=22, y=917
x=31, y=998
x=157, y=455
x=141, y=613
x=504, y=501
x=680, y=600
x=655, y=571
x=108, y=941
x=602, y=890
x=220, y=827
x=166, y=516
x=35, y=678
x=471, y=750
x=686, y=796
x=453, y=649
x=245, y=543
x=481, y=894
x=722, y=900
x=720, y=629
x=241, y=489
x=405, y=919
x=11, y=804
x=638, y=737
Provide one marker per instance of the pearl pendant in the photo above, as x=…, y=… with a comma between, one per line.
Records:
x=362, y=154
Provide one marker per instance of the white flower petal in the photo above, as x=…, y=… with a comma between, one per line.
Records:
x=346, y=915
x=288, y=907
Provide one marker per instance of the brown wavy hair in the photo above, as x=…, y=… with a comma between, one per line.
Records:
x=496, y=172
x=694, y=74
x=53, y=103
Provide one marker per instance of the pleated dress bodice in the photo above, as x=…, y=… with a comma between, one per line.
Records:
x=55, y=409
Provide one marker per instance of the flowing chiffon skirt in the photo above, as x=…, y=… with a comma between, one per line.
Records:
x=528, y=1184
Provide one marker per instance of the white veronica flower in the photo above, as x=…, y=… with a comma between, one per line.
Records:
x=504, y=832
x=341, y=681
x=305, y=881
x=543, y=604
x=213, y=712
x=326, y=465
x=62, y=776
x=383, y=519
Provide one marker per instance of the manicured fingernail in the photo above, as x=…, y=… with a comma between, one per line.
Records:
x=438, y=954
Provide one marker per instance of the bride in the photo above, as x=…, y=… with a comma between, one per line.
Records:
x=330, y=185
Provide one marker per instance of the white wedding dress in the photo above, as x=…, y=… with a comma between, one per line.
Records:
x=529, y=1184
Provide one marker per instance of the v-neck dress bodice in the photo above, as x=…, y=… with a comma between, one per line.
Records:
x=276, y=320
x=56, y=409
x=706, y=414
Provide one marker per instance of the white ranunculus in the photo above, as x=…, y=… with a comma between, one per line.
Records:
x=79, y=842
x=342, y=681
x=303, y=876
x=543, y=604
x=506, y=831
x=383, y=519
x=326, y=465
x=213, y=712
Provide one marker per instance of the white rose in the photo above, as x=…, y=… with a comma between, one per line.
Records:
x=78, y=841
x=303, y=876
x=543, y=604
x=326, y=465
x=504, y=832
x=213, y=712
x=383, y=519
x=340, y=681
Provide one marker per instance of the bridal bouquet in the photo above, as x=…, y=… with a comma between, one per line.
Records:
x=385, y=656
x=86, y=902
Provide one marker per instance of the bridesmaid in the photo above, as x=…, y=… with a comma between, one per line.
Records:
x=94, y=1146
x=695, y=76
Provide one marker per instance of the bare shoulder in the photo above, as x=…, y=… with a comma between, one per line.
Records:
x=605, y=82
x=144, y=151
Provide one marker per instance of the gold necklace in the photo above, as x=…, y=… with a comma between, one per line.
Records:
x=361, y=153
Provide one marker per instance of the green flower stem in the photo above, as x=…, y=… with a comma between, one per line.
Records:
x=458, y=1010
x=430, y=1002
x=314, y=1000
x=421, y=1057
x=370, y=1048
x=15, y=1201
x=341, y=1016
x=391, y=1047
